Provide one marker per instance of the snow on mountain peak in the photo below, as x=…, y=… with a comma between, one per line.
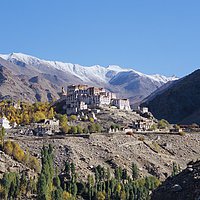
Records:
x=115, y=68
x=87, y=74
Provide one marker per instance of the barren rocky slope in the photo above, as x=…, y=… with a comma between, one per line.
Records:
x=154, y=155
x=8, y=164
x=184, y=186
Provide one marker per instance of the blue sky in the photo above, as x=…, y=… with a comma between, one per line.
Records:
x=151, y=36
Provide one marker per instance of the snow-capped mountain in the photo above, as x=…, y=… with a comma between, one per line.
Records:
x=85, y=73
x=125, y=82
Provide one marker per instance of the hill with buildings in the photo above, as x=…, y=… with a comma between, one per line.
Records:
x=45, y=78
x=178, y=103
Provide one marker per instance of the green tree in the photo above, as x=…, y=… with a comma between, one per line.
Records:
x=58, y=192
x=42, y=187
x=162, y=124
x=73, y=118
x=92, y=128
x=153, y=127
x=98, y=127
x=73, y=130
x=134, y=169
x=85, y=130
x=175, y=169
x=2, y=135
x=23, y=183
x=79, y=129
x=91, y=120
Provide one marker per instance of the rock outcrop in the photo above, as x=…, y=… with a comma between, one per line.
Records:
x=184, y=186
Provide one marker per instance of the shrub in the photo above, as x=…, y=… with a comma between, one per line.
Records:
x=129, y=133
x=73, y=117
x=155, y=146
x=182, y=133
x=141, y=138
x=117, y=126
x=91, y=120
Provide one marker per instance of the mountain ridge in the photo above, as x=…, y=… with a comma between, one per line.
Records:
x=180, y=102
x=28, y=59
x=126, y=83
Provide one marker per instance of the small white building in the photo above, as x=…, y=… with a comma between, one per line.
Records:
x=122, y=104
x=144, y=110
x=5, y=123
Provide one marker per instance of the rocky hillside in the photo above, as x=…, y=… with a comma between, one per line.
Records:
x=184, y=186
x=28, y=86
x=45, y=78
x=8, y=164
x=153, y=154
x=179, y=103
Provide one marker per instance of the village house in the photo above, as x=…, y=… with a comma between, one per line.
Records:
x=142, y=125
x=4, y=122
x=47, y=127
x=175, y=130
x=144, y=110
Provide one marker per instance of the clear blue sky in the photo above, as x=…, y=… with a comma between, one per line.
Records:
x=151, y=36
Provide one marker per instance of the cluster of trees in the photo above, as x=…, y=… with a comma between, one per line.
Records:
x=120, y=187
x=66, y=186
x=14, y=186
x=13, y=149
x=162, y=124
x=100, y=186
x=48, y=186
x=26, y=113
x=91, y=128
x=77, y=129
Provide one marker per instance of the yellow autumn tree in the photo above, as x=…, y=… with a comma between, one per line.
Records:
x=8, y=147
x=18, y=153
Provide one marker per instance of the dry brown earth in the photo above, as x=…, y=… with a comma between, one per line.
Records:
x=153, y=155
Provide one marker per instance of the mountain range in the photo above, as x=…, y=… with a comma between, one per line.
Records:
x=36, y=79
